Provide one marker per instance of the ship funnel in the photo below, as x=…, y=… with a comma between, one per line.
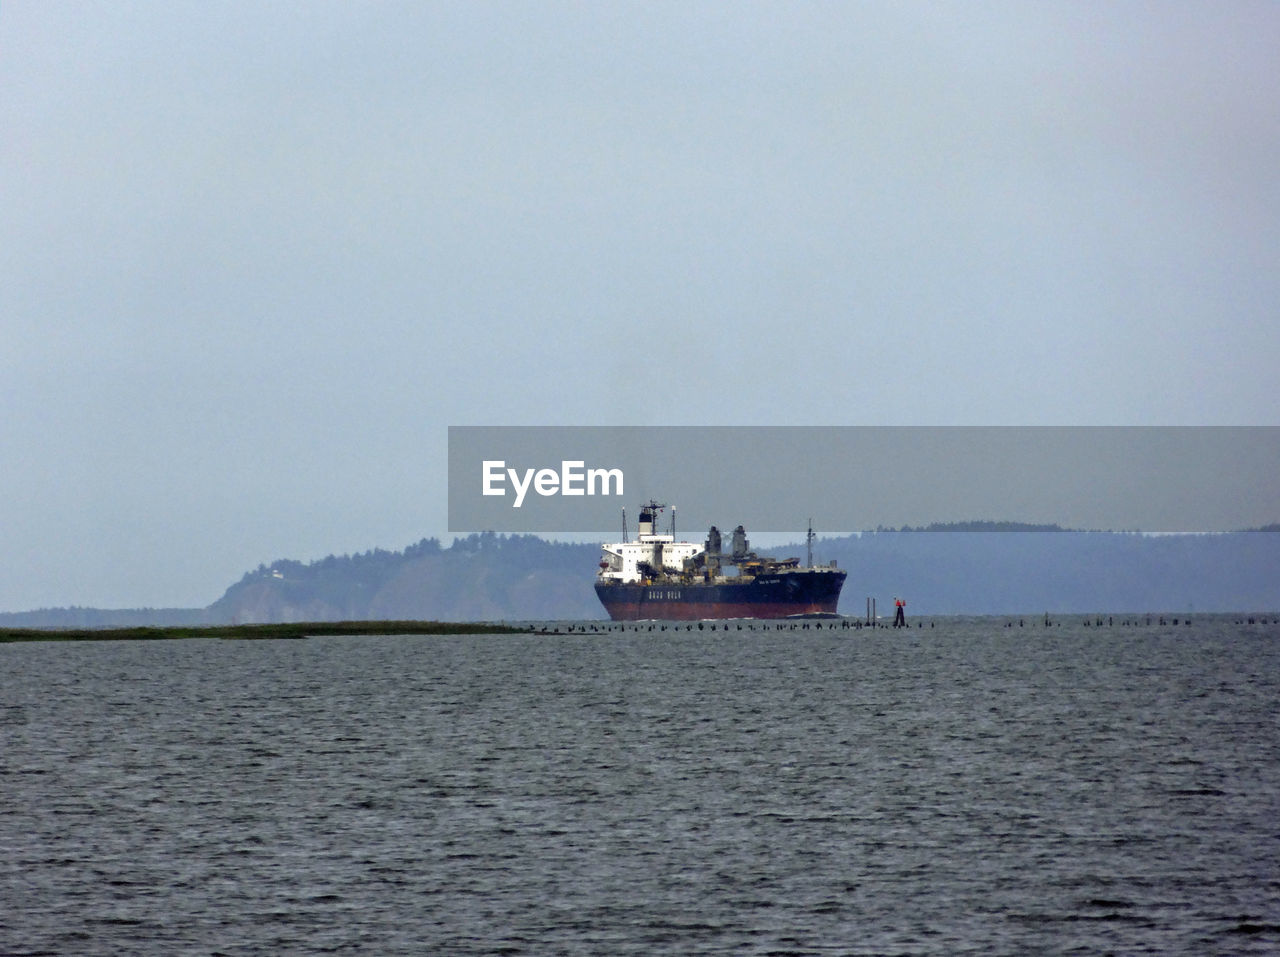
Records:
x=646, y=520
x=649, y=517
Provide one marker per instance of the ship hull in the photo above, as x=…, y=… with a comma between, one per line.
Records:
x=784, y=595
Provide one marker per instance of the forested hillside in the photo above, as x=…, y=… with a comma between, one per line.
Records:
x=973, y=568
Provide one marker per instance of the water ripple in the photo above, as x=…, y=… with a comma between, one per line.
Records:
x=961, y=790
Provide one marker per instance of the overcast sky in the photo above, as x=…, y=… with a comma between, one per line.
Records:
x=256, y=257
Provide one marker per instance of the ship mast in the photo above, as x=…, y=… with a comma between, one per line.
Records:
x=809, y=544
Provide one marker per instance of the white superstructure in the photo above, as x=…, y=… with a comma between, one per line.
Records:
x=651, y=552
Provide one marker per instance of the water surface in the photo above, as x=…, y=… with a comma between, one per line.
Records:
x=961, y=788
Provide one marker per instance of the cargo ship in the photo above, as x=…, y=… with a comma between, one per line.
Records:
x=656, y=577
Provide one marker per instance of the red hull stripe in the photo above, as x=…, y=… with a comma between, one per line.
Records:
x=697, y=611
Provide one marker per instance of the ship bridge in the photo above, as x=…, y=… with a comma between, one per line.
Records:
x=652, y=555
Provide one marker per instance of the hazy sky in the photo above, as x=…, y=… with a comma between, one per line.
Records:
x=255, y=258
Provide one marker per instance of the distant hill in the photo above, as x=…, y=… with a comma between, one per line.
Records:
x=76, y=616
x=999, y=568
x=482, y=577
x=958, y=568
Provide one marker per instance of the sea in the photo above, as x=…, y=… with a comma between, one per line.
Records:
x=1079, y=785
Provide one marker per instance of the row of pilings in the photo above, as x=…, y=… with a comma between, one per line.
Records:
x=1135, y=621
x=601, y=628
x=854, y=624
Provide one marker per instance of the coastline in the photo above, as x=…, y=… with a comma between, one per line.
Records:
x=301, y=629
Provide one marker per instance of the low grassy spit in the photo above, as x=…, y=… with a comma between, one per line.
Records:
x=301, y=629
